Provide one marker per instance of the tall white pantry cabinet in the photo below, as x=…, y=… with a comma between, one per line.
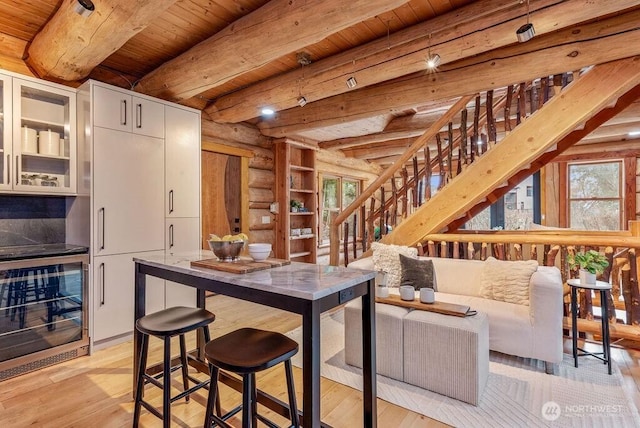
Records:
x=140, y=166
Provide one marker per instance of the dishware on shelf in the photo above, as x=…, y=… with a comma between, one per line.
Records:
x=49, y=143
x=259, y=251
x=29, y=140
x=226, y=251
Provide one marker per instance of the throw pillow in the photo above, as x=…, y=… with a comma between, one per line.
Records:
x=418, y=273
x=386, y=258
x=507, y=281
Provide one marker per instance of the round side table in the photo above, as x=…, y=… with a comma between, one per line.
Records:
x=602, y=287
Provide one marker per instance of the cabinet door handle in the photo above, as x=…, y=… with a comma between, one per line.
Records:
x=17, y=169
x=101, y=284
x=138, y=115
x=9, y=169
x=171, y=236
x=170, y=201
x=123, y=112
x=101, y=215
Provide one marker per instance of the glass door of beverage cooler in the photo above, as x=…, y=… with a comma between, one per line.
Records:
x=42, y=311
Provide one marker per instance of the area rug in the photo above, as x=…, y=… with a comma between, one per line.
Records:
x=518, y=392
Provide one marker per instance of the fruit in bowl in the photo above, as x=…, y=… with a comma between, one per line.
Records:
x=227, y=248
x=259, y=251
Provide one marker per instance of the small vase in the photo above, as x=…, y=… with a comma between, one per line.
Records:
x=587, y=278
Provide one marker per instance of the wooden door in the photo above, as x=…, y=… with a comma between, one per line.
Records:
x=221, y=195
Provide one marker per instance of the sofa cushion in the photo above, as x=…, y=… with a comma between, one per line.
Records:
x=457, y=276
x=418, y=273
x=507, y=281
x=386, y=258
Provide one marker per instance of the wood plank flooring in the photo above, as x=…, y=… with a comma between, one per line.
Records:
x=95, y=391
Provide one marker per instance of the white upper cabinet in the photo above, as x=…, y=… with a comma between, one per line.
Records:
x=182, y=177
x=6, y=149
x=38, y=137
x=123, y=111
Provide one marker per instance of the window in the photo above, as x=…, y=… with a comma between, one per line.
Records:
x=529, y=190
x=595, y=196
x=337, y=194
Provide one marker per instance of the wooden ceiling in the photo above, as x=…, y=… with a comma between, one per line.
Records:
x=230, y=58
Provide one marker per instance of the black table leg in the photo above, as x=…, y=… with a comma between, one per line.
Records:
x=139, y=309
x=606, y=344
x=369, y=356
x=574, y=324
x=311, y=366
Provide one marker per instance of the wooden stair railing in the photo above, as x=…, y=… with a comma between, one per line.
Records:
x=588, y=95
x=388, y=173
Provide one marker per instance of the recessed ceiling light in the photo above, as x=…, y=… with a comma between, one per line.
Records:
x=268, y=111
x=634, y=133
x=433, y=61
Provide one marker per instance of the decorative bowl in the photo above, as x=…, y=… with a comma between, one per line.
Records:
x=226, y=251
x=259, y=251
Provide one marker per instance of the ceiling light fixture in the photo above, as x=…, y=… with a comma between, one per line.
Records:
x=526, y=32
x=303, y=59
x=634, y=134
x=352, y=82
x=302, y=101
x=84, y=7
x=433, y=61
x=267, y=111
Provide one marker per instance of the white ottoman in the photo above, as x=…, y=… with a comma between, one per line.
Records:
x=447, y=354
x=388, y=337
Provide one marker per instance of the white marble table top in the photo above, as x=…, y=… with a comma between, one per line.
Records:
x=599, y=285
x=302, y=280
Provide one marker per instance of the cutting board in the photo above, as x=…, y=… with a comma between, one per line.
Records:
x=241, y=265
x=439, y=307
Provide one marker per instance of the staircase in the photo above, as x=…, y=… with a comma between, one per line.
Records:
x=488, y=170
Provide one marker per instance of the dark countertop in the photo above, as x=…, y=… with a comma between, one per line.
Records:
x=39, y=250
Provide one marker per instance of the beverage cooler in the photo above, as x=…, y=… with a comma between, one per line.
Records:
x=43, y=307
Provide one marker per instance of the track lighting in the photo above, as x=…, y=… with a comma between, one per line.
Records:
x=526, y=32
x=84, y=7
x=351, y=82
x=302, y=101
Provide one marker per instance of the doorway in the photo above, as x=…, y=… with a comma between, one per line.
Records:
x=225, y=191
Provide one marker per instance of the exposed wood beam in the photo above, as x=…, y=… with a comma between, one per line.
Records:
x=465, y=32
x=277, y=28
x=580, y=101
x=69, y=46
x=570, y=49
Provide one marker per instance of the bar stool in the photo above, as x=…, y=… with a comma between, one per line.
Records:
x=165, y=324
x=245, y=352
x=602, y=287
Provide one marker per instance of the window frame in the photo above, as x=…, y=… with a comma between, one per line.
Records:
x=341, y=179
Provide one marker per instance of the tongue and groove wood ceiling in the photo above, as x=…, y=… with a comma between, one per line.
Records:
x=230, y=58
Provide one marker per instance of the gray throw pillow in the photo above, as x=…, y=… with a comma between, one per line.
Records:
x=418, y=273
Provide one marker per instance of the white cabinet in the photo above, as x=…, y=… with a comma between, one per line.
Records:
x=6, y=149
x=182, y=234
x=128, y=192
x=38, y=145
x=182, y=162
x=113, y=295
x=120, y=110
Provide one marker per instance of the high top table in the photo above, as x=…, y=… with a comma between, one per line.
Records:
x=301, y=288
x=602, y=287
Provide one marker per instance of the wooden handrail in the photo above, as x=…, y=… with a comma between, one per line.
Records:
x=389, y=172
x=573, y=237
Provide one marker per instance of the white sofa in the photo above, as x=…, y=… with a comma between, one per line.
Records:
x=533, y=331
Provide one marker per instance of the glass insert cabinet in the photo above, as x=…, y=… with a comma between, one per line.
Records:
x=38, y=137
x=43, y=312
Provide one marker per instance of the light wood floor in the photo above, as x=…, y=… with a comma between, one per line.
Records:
x=95, y=391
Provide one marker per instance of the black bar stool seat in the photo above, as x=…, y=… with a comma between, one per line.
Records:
x=165, y=324
x=245, y=352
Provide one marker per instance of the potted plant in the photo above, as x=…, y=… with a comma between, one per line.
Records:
x=295, y=205
x=590, y=264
